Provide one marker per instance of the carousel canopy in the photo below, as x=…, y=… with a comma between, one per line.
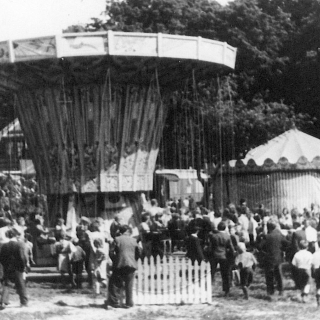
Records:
x=132, y=58
x=92, y=106
x=292, y=149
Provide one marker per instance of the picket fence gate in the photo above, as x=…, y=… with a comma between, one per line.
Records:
x=172, y=280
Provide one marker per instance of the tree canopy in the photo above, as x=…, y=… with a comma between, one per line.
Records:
x=274, y=85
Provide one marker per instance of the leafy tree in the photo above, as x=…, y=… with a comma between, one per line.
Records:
x=275, y=81
x=213, y=126
x=261, y=30
x=258, y=35
x=191, y=17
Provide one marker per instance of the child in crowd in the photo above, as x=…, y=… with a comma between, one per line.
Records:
x=316, y=271
x=59, y=229
x=235, y=275
x=302, y=261
x=63, y=249
x=29, y=250
x=77, y=258
x=100, y=264
x=21, y=225
x=246, y=263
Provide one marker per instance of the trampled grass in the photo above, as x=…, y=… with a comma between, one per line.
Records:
x=83, y=304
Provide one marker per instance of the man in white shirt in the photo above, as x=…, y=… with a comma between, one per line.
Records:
x=243, y=219
x=312, y=237
x=155, y=209
x=302, y=261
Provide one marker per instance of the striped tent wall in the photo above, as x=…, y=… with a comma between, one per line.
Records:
x=275, y=190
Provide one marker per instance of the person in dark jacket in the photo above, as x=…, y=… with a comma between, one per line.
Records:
x=297, y=236
x=115, y=227
x=273, y=247
x=193, y=245
x=221, y=250
x=126, y=254
x=13, y=257
x=177, y=231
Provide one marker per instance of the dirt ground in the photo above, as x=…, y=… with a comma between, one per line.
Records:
x=53, y=301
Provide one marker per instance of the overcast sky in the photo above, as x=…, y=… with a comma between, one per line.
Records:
x=32, y=18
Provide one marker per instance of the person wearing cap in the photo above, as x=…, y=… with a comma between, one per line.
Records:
x=14, y=259
x=126, y=254
x=85, y=221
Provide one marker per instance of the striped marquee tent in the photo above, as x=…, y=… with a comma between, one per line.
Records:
x=283, y=173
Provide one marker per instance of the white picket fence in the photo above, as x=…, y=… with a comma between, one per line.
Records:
x=172, y=280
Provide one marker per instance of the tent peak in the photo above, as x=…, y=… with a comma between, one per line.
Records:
x=292, y=145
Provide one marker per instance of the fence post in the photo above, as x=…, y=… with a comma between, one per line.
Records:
x=190, y=283
x=146, y=297
x=196, y=282
x=177, y=280
x=183, y=281
x=171, y=279
x=209, y=283
x=139, y=283
x=165, y=281
x=203, y=282
x=152, y=281
x=159, y=296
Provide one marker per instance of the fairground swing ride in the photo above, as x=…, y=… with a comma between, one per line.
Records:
x=93, y=106
x=198, y=142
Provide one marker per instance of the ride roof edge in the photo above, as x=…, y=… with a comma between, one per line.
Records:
x=133, y=57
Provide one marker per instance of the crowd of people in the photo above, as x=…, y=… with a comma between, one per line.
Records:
x=235, y=239
x=238, y=239
x=92, y=249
